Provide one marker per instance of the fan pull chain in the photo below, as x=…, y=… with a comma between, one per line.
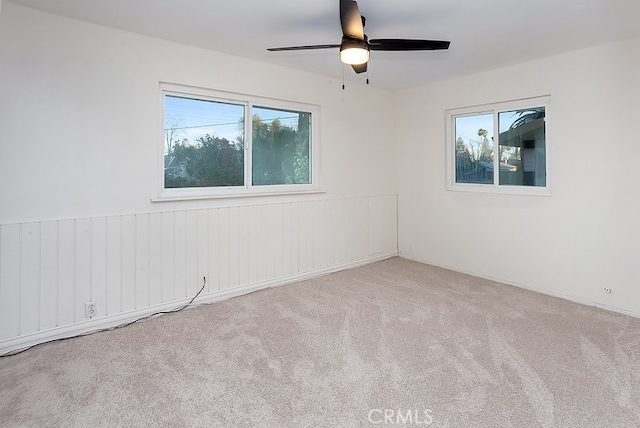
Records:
x=343, y=77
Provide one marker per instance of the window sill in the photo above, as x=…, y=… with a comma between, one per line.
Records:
x=501, y=190
x=248, y=194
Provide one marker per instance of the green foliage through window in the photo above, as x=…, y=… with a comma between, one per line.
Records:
x=280, y=151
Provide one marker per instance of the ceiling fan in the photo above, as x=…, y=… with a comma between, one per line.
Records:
x=355, y=45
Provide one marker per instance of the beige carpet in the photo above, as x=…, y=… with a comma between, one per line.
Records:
x=394, y=343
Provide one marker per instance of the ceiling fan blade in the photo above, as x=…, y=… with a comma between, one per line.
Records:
x=300, y=48
x=407, y=45
x=351, y=20
x=359, y=68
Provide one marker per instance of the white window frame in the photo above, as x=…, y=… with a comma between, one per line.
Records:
x=495, y=108
x=248, y=101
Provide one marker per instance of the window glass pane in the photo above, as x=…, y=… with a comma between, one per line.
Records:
x=522, y=147
x=204, y=143
x=474, y=149
x=280, y=147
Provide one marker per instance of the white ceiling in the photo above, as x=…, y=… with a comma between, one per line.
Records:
x=484, y=34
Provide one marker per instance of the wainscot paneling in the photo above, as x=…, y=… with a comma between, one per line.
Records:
x=134, y=265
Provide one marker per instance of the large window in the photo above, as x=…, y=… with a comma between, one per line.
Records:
x=218, y=144
x=502, y=147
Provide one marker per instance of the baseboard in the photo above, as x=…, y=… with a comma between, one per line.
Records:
x=90, y=326
x=576, y=299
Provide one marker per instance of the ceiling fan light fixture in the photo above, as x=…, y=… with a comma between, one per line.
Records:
x=355, y=45
x=354, y=52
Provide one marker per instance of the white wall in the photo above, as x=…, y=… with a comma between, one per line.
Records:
x=586, y=236
x=81, y=124
x=133, y=265
x=79, y=149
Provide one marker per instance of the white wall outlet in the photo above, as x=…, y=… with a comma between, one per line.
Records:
x=90, y=309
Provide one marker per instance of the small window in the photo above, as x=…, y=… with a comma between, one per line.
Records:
x=210, y=149
x=502, y=148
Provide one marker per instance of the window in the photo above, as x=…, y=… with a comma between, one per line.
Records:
x=502, y=147
x=211, y=149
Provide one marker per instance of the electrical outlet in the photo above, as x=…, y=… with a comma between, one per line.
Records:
x=90, y=309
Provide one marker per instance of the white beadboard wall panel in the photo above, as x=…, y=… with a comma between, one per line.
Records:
x=114, y=266
x=305, y=243
x=168, y=256
x=361, y=210
x=224, y=234
x=135, y=265
x=10, y=250
x=233, y=246
x=321, y=234
x=142, y=261
x=83, y=266
x=273, y=242
x=243, y=247
x=30, y=277
x=49, y=263
x=128, y=263
x=67, y=257
x=286, y=239
x=98, y=264
x=202, y=264
x=213, y=280
x=191, y=280
x=180, y=256
x=155, y=259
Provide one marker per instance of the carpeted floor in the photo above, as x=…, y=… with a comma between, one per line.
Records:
x=393, y=343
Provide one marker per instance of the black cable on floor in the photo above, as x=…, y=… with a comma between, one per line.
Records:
x=11, y=354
